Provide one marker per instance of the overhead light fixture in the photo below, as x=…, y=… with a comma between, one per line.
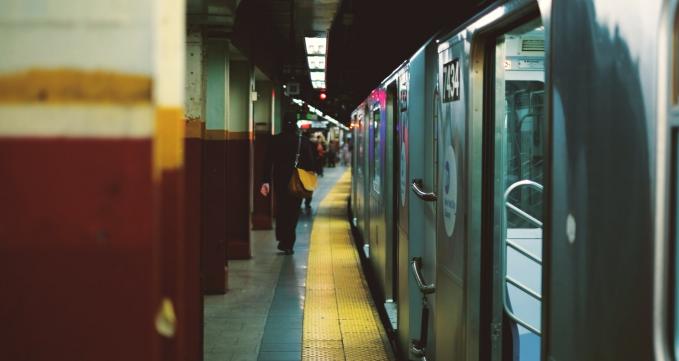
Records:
x=315, y=46
x=317, y=76
x=316, y=62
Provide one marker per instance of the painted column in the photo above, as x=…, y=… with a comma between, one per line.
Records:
x=168, y=95
x=279, y=98
x=195, y=126
x=91, y=130
x=214, y=193
x=263, y=118
x=238, y=160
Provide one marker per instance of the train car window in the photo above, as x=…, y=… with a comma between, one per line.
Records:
x=377, y=170
x=519, y=152
x=359, y=144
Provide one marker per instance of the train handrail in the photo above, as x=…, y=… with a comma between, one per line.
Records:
x=425, y=196
x=425, y=288
x=507, y=243
x=523, y=214
x=524, y=252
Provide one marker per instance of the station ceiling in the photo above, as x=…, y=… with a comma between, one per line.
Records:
x=367, y=39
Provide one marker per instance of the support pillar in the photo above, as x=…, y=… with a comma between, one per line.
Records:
x=92, y=168
x=193, y=143
x=280, y=102
x=214, y=192
x=279, y=99
x=263, y=121
x=238, y=160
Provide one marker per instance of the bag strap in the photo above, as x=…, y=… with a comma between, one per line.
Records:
x=299, y=146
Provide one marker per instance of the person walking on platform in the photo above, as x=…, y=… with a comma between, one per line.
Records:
x=320, y=152
x=307, y=201
x=280, y=158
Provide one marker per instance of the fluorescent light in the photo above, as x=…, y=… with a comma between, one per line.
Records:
x=320, y=113
x=317, y=75
x=316, y=62
x=334, y=121
x=318, y=84
x=315, y=46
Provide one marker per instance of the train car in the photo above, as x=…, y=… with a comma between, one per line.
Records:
x=515, y=185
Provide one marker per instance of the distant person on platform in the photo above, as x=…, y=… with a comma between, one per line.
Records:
x=308, y=200
x=280, y=158
x=320, y=155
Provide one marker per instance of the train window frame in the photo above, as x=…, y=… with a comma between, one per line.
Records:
x=376, y=124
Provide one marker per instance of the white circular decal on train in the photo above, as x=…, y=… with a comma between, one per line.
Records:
x=404, y=181
x=449, y=183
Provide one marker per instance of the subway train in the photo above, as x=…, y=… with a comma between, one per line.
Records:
x=515, y=185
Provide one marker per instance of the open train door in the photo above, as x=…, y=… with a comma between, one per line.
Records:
x=513, y=200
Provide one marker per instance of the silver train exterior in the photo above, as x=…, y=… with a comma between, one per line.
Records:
x=515, y=184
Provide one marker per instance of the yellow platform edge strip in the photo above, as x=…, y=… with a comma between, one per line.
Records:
x=340, y=319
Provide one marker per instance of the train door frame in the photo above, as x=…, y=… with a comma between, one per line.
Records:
x=483, y=105
x=452, y=243
x=364, y=120
x=392, y=115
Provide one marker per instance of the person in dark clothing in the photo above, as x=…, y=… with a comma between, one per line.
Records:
x=280, y=157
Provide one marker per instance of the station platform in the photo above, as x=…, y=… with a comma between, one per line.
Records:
x=312, y=305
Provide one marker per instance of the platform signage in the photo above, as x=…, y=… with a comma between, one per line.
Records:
x=451, y=81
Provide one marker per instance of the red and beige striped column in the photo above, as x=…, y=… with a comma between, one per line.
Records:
x=168, y=98
x=91, y=160
x=195, y=126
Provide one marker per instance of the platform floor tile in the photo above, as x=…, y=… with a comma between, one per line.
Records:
x=340, y=318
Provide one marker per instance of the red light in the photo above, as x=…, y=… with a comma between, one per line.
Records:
x=323, y=96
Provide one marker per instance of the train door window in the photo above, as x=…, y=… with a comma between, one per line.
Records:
x=377, y=170
x=360, y=143
x=519, y=120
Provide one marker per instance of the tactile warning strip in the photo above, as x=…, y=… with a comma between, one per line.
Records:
x=340, y=319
